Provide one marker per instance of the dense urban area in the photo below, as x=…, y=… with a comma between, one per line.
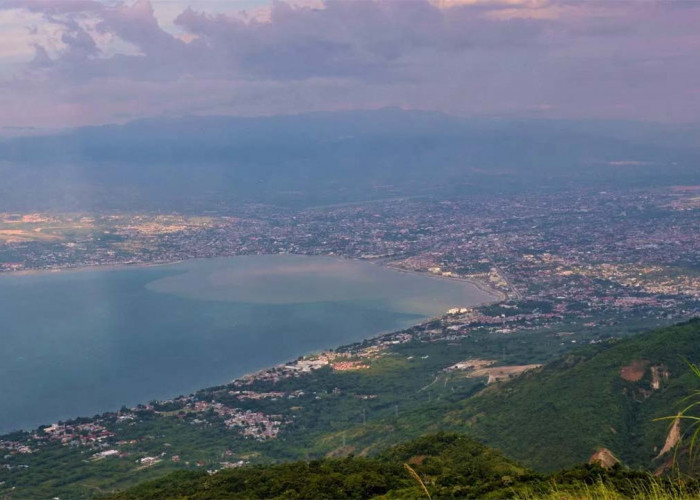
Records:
x=571, y=268
x=578, y=250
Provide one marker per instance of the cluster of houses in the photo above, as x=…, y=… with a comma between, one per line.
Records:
x=83, y=434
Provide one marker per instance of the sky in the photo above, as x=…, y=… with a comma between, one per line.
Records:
x=67, y=63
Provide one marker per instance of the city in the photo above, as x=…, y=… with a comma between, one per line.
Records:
x=569, y=270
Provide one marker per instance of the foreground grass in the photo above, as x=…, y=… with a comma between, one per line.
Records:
x=601, y=491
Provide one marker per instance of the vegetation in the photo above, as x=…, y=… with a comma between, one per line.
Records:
x=688, y=415
x=439, y=466
x=547, y=419
x=603, y=396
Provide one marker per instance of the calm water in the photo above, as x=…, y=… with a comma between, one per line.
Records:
x=83, y=342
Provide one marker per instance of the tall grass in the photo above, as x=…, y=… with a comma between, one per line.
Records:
x=415, y=476
x=692, y=402
x=653, y=489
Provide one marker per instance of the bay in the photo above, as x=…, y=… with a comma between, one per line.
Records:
x=77, y=343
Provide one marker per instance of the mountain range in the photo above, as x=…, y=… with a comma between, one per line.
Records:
x=206, y=162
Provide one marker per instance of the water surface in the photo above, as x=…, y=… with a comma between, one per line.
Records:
x=83, y=342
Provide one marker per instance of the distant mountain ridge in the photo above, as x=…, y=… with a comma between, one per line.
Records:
x=330, y=157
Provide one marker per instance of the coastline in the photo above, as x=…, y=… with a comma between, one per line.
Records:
x=374, y=337
x=498, y=295
x=483, y=287
x=91, y=267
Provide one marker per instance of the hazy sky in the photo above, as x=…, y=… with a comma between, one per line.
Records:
x=74, y=62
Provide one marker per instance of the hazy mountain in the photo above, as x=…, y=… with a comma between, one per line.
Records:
x=204, y=162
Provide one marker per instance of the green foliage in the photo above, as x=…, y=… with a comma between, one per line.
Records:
x=687, y=415
x=453, y=465
x=563, y=413
x=443, y=465
x=547, y=419
x=450, y=465
x=342, y=478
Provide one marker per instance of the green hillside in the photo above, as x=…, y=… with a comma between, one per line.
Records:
x=455, y=465
x=561, y=414
x=605, y=395
x=440, y=465
x=547, y=418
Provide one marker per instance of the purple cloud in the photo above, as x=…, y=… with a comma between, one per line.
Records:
x=606, y=59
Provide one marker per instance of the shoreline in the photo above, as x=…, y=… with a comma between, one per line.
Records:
x=500, y=296
x=483, y=287
x=496, y=297
x=91, y=267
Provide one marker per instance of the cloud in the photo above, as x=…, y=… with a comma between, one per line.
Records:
x=99, y=62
